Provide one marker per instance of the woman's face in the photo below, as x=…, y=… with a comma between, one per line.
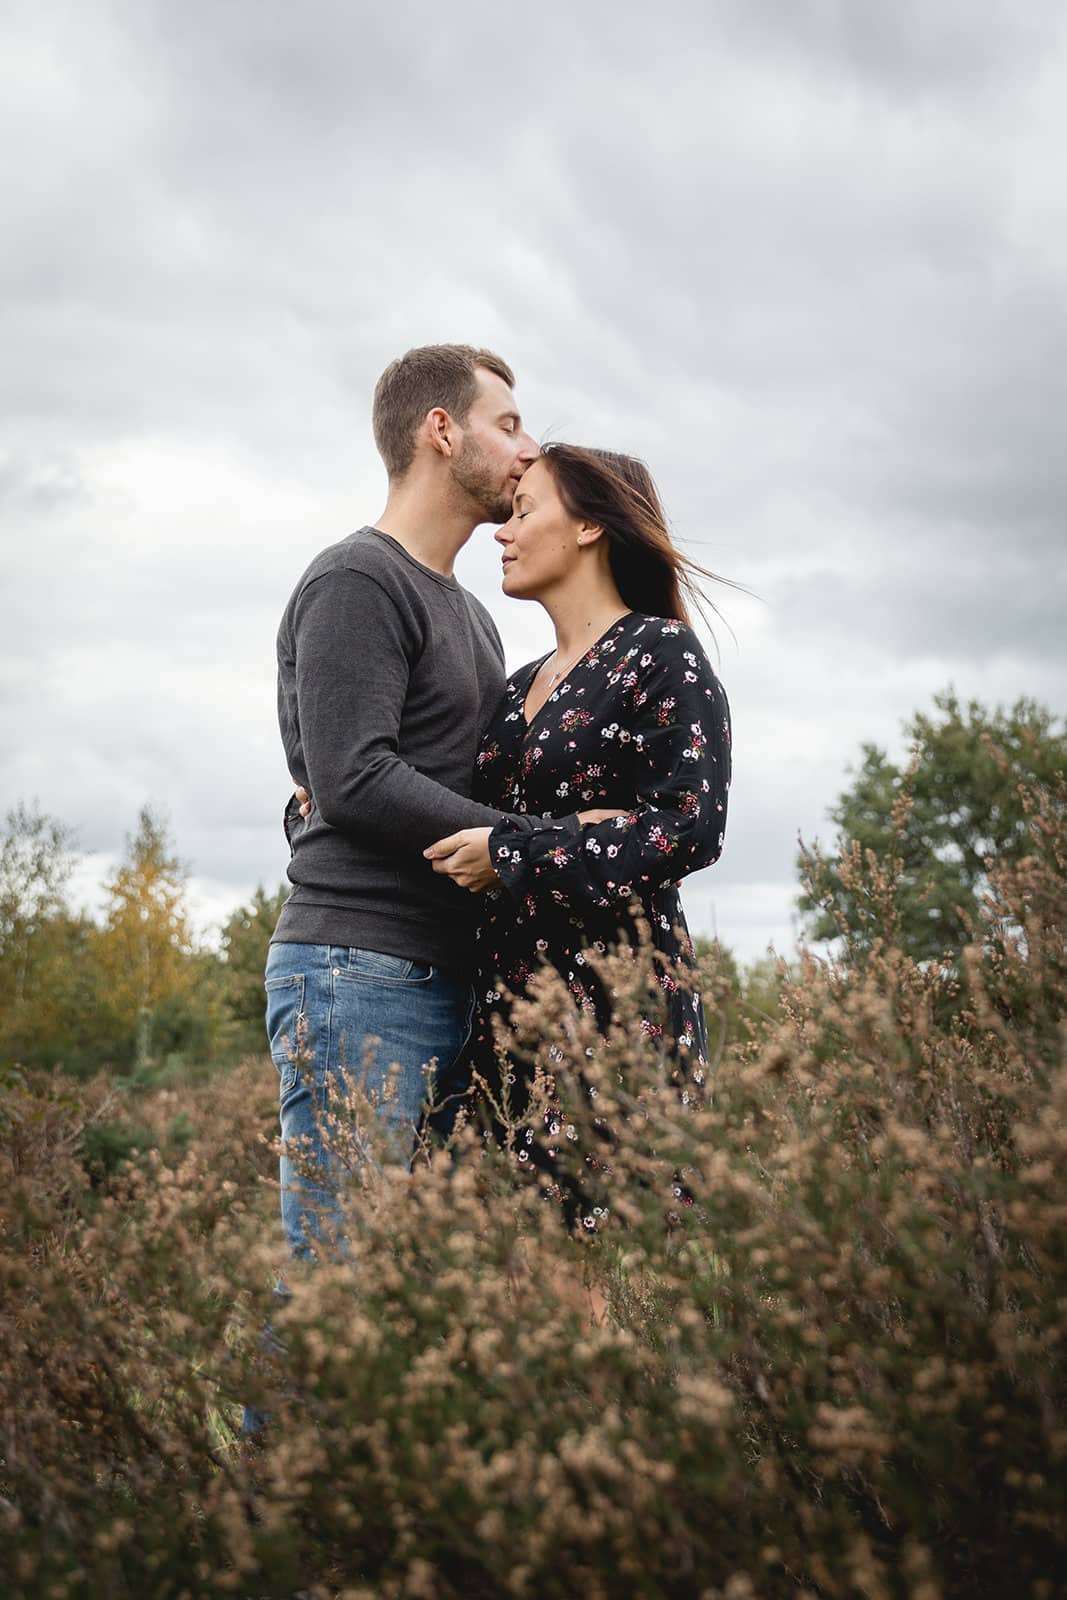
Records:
x=540, y=544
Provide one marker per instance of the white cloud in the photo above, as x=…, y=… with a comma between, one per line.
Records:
x=807, y=260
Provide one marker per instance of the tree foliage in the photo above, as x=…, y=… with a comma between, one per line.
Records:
x=134, y=991
x=946, y=817
x=146, y=945
x=245, y=937
x=36, y=862
x=42, y=944
x=740, y=999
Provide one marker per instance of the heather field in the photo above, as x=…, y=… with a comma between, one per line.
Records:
x=813, y=1346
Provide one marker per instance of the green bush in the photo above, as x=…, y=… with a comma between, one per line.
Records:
x=108, y=1147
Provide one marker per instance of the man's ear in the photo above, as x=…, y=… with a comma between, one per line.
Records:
x=589, y=532
x=440, y=430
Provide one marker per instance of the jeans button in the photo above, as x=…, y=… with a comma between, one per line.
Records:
x=337, y=972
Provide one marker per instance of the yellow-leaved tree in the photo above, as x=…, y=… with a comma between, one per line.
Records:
x=145, y=947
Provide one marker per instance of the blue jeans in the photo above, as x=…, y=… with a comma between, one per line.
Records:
x=384, y=1021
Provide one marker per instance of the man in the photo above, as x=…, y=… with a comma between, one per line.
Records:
x=387, y=671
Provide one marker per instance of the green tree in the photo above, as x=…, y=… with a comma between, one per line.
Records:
x=145, y=948
x=762, y=981
x=36, y=861
x=739, y=1000
x=245, y=937
x=42, y=942
x=939, y=821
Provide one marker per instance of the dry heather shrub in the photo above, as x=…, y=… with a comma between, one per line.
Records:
x=117, y=1348
x=832, y=1364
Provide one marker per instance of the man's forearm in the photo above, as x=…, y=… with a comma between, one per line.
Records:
x=353, y=654
x=389, y=800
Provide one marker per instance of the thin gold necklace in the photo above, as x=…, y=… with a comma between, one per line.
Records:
x=561, y=672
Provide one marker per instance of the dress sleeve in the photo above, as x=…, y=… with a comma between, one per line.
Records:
x=675, y=713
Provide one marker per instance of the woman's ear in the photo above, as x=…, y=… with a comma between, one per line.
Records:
x=589, y=532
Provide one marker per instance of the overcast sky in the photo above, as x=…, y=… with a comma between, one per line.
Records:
x=807, y=258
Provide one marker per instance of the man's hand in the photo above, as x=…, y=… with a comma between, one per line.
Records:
x=305, y=800
x=464, y=857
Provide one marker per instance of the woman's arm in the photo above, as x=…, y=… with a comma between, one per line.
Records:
x=465, y=858
x=680, y=730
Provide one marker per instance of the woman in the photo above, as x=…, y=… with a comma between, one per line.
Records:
x=625, y=712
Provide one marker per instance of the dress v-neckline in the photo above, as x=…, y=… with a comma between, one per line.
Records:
x=525, y=692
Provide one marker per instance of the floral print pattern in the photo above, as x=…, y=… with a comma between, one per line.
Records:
x=641, y=722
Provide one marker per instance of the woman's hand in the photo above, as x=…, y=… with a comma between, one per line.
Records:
x=464, y=857
x=304, y=799
x=592, y=816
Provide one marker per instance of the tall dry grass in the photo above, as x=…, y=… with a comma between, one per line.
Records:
x=832, y=1363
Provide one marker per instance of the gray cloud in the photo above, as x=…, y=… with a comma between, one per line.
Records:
x=807, y=260
x=910, y=51
x=1008, y=607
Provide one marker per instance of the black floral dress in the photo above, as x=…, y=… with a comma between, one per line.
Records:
x=640, y=722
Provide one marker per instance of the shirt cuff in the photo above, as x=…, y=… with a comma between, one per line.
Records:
x=516, y=852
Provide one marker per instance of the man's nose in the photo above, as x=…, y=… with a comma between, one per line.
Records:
x=530, y=449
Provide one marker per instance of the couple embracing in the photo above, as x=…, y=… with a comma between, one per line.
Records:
x=451, y=823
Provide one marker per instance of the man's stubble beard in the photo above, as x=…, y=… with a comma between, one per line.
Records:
x=479, y=482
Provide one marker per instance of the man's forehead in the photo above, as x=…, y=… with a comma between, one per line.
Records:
x=493, y=393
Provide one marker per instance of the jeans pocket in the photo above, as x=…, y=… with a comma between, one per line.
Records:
x=286, y=1027
x=377, y=967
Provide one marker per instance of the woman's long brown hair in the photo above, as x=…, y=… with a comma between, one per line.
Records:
x=618, y=493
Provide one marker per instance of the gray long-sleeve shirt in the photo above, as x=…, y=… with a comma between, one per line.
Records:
x=387, y=673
